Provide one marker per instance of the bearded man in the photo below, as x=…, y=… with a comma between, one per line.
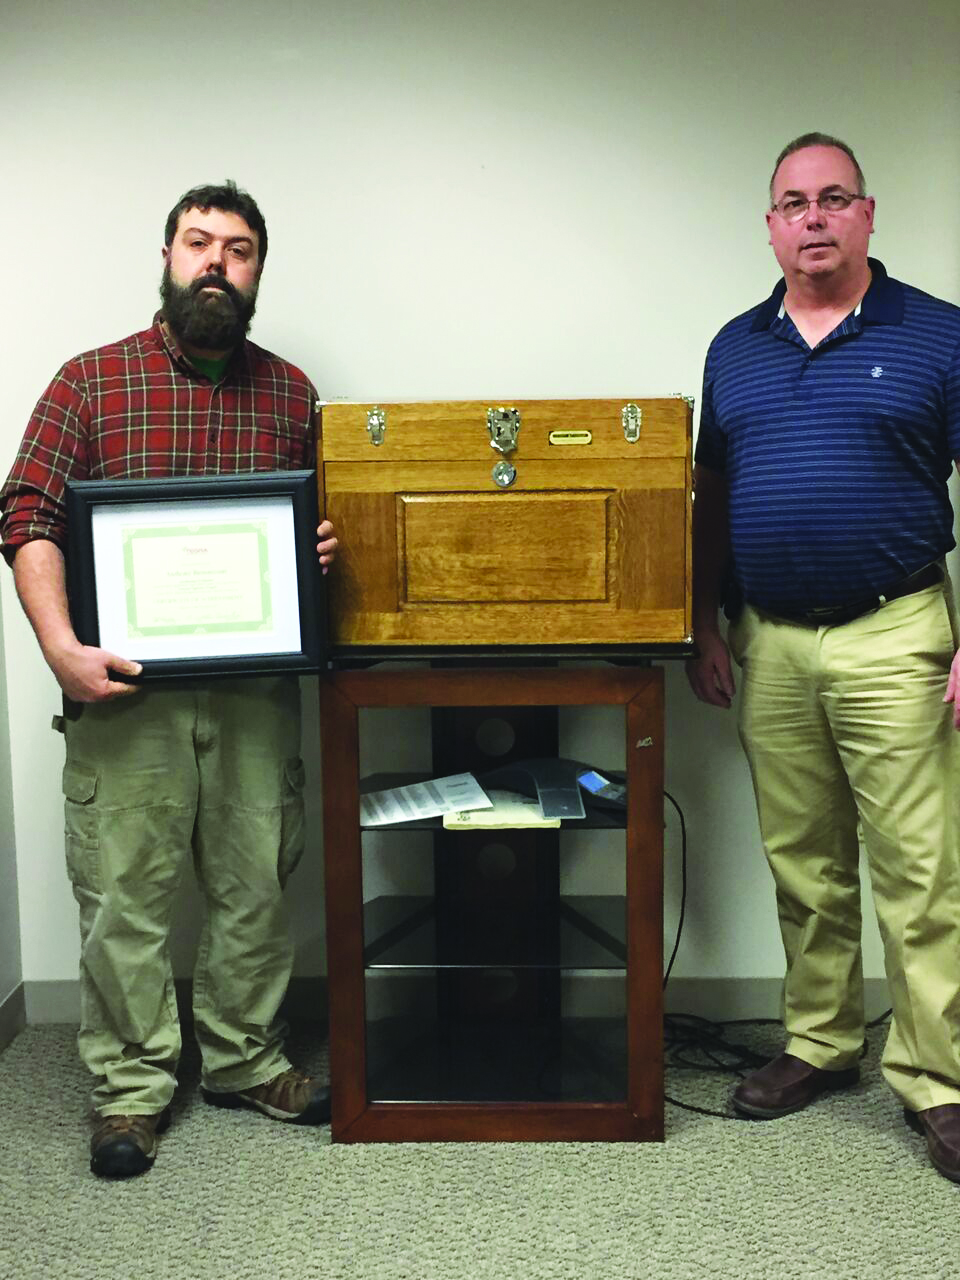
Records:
x=154, y=776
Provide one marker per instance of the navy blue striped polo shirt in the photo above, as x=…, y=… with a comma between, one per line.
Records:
x=836, y=458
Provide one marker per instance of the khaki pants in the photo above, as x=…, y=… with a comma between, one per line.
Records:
x=148, y=780
x=843, y=725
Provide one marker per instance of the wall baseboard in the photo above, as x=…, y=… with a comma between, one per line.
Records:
x=13, y=1016
x=719, y=999
x=724, y=999
x=56, y=1001
x=305, y=1001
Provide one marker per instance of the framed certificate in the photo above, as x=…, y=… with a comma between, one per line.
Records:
x=199, y=575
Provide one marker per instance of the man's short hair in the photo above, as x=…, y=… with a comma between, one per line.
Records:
x=819, y=140
x=228, y=198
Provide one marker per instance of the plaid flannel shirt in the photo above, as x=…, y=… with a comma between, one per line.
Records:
x=137, y=408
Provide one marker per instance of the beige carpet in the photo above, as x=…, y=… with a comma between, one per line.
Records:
x=842, y=1191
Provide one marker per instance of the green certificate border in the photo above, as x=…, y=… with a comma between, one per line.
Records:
x=133, y=533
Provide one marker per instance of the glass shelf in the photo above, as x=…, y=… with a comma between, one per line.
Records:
x=596, y=819
x=588, y=932
x=530, y=1061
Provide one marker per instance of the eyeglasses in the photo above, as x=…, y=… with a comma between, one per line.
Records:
x=793, y=208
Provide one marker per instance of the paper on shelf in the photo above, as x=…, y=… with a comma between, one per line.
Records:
x=509, y=809
x=458, y=792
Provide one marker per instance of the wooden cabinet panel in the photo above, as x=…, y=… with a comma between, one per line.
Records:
x=460, y=547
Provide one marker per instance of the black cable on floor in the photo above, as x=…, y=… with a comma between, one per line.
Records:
x=693, y=1043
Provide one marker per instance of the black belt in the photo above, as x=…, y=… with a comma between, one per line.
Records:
x=836, y=615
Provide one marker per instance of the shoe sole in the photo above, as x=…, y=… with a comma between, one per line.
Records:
x=916, y=1124
x=315, y=1114
x=845, y=1081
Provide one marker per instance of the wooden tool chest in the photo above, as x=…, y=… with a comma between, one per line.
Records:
x=521, y=522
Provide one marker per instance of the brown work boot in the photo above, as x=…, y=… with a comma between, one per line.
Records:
x=291, y=1096
x=787, y=1084
x=941, y=1128
x=124, y=1146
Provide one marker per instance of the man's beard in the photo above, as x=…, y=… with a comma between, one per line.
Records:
x=212, y=321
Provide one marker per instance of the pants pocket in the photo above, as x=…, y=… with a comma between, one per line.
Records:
x=82, y=831
x=737, y=635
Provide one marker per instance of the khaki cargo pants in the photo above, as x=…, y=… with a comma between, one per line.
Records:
x=843, y=727
x=149, y=780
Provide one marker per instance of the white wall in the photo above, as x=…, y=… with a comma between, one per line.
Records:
x=10, y=967
x=505, y=199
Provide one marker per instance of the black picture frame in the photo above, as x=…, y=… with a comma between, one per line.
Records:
x=94, y=511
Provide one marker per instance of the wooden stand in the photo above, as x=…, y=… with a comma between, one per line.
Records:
x=522, y=1066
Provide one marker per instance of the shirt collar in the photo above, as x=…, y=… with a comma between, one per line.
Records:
x=881, y=304
x=167, y=340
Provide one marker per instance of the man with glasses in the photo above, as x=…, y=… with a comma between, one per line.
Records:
x=831, y=414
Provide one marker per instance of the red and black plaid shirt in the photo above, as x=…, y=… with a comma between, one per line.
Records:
x=137, y=408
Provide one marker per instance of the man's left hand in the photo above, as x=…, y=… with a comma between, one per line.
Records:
x=327, y=546
x=953, y=690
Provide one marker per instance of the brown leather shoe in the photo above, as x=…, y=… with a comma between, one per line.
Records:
x=124, y=1146
x=292, y=1096
x=787, y=1084
x=941, y=1127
